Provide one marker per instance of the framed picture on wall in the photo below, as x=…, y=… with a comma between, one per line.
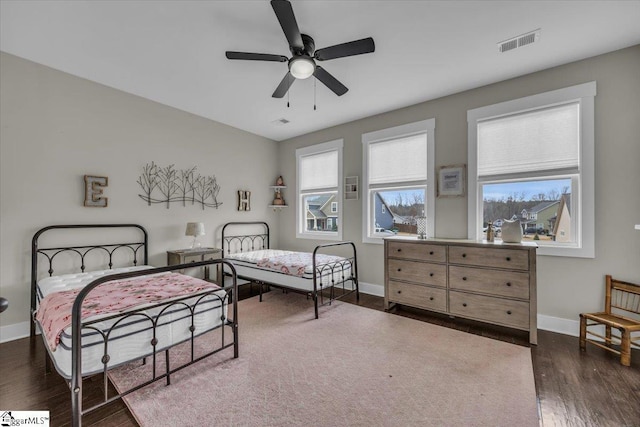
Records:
x=451, y=181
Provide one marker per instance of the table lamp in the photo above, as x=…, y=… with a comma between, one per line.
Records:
x=195, y=229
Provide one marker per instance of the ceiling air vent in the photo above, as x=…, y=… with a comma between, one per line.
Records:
x=519, y=41
x=280, y=122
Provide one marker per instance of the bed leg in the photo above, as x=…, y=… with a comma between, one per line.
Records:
x=166, y=354
x=144, y=361
x=315, y=303
x=260, y=285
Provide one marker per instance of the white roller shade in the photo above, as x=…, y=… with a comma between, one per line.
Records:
x=398, y=160
x=542, y=140
x=319, y=171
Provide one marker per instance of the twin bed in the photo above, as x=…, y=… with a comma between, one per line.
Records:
x=142, y=312
x=139, y=314
x=330, y=272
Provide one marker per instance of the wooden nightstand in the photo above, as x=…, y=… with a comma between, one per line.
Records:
x=185, y=256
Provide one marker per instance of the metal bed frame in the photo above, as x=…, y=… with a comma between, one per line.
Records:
x=77, y=323
x=260, y=240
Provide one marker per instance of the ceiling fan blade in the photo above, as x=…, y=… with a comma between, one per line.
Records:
x=284, y=86
x=284, y=13
x=256, y=56
x=330, y=81
x=357, y=47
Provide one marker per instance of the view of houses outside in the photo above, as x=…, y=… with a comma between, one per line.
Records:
x=396, y=211
x=322, y=212
x=542, y=207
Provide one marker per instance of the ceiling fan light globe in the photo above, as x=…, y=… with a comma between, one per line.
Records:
x=302, y=68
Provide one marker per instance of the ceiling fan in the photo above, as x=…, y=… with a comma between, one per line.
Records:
x=302, y=63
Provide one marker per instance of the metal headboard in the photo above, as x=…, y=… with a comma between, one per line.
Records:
x=81, y=251
x=249, y=242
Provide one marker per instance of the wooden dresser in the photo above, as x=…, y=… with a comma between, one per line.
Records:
x=489, y=282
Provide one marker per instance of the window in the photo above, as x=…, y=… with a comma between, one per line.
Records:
x=399, y=181
x=318, y=191
x=533, y=159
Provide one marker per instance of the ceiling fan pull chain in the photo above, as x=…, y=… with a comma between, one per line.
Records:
x=314, y=92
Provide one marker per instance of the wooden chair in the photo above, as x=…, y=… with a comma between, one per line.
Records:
x=622, y=301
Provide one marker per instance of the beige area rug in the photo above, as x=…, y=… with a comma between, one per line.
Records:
x=352, y=367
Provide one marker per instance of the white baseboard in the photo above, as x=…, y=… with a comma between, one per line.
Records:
x=559, y=325
x=14, y=332
x=547, y=323
x=371, y=289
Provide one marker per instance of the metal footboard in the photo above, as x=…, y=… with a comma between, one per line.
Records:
x=78, y=325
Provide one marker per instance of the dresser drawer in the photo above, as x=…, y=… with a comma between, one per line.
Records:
x=513, y=284
x=490, y=309
x=421, y=272
x=512, y=259
x=417, y=251
x=418, y=296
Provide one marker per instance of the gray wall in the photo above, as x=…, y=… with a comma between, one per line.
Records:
x=566, y=286
x=57, y=127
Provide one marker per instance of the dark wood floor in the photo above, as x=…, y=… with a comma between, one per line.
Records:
x=574, y=388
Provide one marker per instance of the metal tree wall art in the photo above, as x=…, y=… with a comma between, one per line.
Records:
x=167, y=185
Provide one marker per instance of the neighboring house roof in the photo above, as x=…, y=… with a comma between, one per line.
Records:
x=317, y=213
x=542, y=206
x=403, y=219
x=565, y=200
x=319, y=201
x=384, y=202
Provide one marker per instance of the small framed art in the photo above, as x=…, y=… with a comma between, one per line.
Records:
x=451, y=181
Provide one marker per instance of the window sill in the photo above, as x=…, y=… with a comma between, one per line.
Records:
x=320, y=236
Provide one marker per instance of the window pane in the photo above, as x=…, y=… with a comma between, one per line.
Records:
x=319, y=171
x=319, y=215
x=538, y=140
x=398, y=211
x=543, y=207
x=397, y=160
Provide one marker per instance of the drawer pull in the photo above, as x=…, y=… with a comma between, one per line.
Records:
x=430, y=274
x=399, y=292
x=464, y=304
x=399, y=269
x=509, y=312
x=464, y=278
x=430, y=298
x=399, y=249
x=430, y=252
x=508, y=283
x=464, y=255
x=508, y=258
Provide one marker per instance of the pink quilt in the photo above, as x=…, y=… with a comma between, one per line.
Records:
x=54, y=313
x=297, y=263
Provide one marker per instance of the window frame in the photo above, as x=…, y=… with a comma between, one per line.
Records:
x=583, y=183
x=301, y=218
x=368, y=204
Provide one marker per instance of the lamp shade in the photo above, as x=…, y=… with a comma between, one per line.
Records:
x=194, y=229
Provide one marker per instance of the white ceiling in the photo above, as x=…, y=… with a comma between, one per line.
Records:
x=172, y=52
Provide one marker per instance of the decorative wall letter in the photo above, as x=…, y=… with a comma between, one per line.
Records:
x=244, y=200
x=93, y=186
